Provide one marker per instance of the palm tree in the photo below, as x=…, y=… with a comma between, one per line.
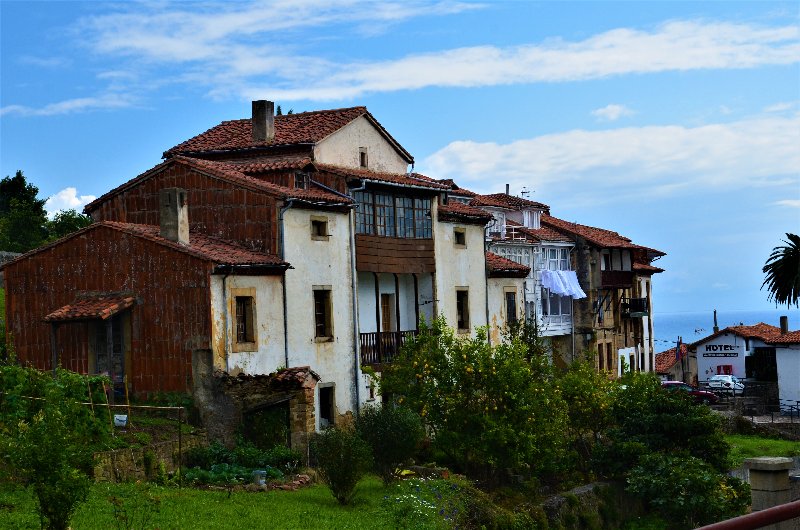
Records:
x=782, y=271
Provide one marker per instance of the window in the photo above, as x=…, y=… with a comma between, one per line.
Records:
x=392, y=216
x=363, y=159
x=326, y=406
x=244, y=319
x=556, y=259
x=460, y=237
x=323, y=320
x=462, y=310
x=319, y=228
x=556, y=308
x=511, y=307
x=388, y=322
x=301, y=180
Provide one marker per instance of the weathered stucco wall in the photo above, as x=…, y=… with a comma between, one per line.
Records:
x=342, y=148
x=498, y=309
x=321, y=263
x=460, y=267
x=788, y=361
x=269, y=353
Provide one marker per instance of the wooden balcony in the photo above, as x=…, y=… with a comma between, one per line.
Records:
x=380, y=347
x=634, y=307
x=616, y=279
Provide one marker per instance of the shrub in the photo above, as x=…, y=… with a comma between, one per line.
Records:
x=393, y=433
x=245, y=455
x=687, y=490
x=342, y=459
x=226, y=474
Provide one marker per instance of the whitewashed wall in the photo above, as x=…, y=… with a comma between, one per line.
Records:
x=726, y=343
x=321, y=263
x=457, y=267
x=497, y=288
x=788, y=361
x=342, y=148
x=269, y=355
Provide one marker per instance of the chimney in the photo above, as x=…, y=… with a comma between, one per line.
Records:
x=263, y=121
x=507, y=188
x=716, y=327
x=784, y=325
x=174, y=215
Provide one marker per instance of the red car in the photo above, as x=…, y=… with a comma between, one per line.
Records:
x=700, y=396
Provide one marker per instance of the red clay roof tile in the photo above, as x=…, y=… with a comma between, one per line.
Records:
x=301, y=128
x=456, y=211
x=792, y=337
x=502, y=200
x=500, y=267
x=402, y=179
x=666, y=359
x=598, y=236
x=92, y=308
x=761, y=331
x=542, y=234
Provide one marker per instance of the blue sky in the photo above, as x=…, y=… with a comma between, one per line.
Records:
x=676, y=124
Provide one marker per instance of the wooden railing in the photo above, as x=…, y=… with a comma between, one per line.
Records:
x=380, y=347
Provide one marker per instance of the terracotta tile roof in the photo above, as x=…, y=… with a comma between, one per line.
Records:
x=597, y=236
x=501, y=200
x=92, y=308
x=402, y=179
x=252, y=166
x=646, y=267
x=500, y=267
x=542, y=234
x=202, y=246
x=288, y=378
x=761, y=331
x=666, y=359
x=240, y=173
x=300, y=128
x=455, y=189
x=793, y=337
x=456, y=211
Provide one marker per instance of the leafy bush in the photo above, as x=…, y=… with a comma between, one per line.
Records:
x=47, y=442
x=393, y=433
x=226, y=474
x=490, y=408
x=245, y=455
x=342, y=459
x=687, y=490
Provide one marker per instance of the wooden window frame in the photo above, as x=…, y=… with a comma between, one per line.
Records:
x=462, y=310
x=234, y=307
x=512, y=313
x=323, y=313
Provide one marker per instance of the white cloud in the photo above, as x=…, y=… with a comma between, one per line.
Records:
x=612, y=112
x=791, y=203
x=67, y=199
x=589, y=167
x=69, y=106
x=247, y=50
x=781, y=107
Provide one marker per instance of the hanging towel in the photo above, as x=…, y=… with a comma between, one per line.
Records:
x=573, y=286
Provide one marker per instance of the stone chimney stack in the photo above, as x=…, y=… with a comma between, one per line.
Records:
x=174, y=215
x=263, y=121
x=507, y=189
x=784, y=325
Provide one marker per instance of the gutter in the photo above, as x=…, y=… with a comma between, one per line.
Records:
x=282, y=254
x=354, y=281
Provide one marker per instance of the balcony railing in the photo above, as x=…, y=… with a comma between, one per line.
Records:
x=634, y=307
x=380, y=347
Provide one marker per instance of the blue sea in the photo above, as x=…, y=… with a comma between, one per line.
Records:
x=693, y=326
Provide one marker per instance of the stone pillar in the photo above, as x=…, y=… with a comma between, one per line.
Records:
x=769, y=481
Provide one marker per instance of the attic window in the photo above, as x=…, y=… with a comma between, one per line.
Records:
x=301, y=180
x=363, y=159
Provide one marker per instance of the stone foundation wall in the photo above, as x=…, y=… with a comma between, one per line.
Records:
x=142, y=463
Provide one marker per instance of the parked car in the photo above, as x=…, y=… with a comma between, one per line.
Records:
x=726, y=383
x=699, y=396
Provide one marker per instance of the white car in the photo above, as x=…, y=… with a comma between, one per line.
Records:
x=726, y=383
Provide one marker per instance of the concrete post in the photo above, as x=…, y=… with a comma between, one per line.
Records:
x=769, y=481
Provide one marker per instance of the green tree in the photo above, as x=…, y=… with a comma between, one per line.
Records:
x=393, y=433
x=487, y=408
x=22, y=215
x=782, y=273
x=65, y=222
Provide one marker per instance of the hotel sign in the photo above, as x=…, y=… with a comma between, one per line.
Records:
x=721, y=350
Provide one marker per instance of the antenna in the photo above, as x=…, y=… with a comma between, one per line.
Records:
x=524, y=192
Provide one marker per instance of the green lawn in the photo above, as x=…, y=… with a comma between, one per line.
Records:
x=312, y=507
x=743, y=446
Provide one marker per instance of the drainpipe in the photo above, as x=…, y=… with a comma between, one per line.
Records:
x=354, y=281
x=486, y=293
x=282, y=255
x=225, y=319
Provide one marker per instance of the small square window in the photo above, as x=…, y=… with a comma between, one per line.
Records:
x=363, y=159
x=301, y=180
x=319, y=228
x=460, y=237
x=323, y=315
